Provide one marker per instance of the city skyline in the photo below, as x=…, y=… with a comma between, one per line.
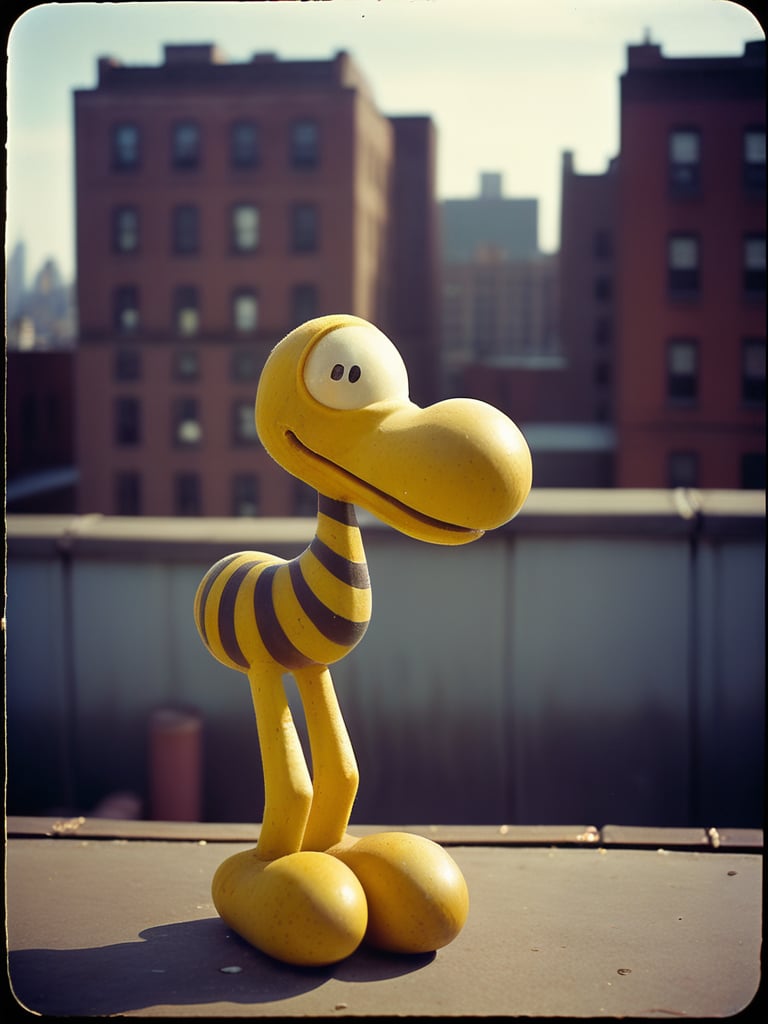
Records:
x=556, y=66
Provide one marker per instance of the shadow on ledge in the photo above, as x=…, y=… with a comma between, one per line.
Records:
x=178, y=964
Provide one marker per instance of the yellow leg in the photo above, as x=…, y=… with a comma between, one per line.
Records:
x=287, y=785
x=334, y=768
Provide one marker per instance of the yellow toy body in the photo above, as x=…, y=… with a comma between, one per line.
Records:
x=332, y=408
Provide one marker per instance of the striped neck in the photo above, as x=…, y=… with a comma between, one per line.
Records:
x=338, y=539
x=341, y=511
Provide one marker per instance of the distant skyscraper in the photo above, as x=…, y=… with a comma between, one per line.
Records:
x=15, y=283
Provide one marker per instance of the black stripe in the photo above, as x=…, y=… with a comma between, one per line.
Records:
x=227, y=634
x=341, y=511
x=354, y=574
x=210, y=578
x=273, y=635
x=336, y=628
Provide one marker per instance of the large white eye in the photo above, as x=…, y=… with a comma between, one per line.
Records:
x=355, y=366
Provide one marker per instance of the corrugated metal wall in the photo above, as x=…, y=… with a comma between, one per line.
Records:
x=601, y=659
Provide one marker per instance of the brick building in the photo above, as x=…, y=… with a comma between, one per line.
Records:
x=219, y=205
x=660, y=378
x=690, y=265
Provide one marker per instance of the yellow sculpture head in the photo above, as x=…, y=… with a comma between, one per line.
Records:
x=332, y=408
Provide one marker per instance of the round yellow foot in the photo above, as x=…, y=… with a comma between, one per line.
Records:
x=305, y=908
x=417, y=896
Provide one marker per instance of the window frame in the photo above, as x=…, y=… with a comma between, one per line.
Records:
x=239, y=296
x=684, y=175
x=186, y=155
x=678, y=392
x=752, y=384
x=127, y=365
x=125, y=158
x=179, y=373
x=683, y=281
x=244, y=433
x=305, y=227
x=244, y=156
x=128, y=492
x=191, y=503
x=126, y=309
x=186, y=300
x=185, y=229
x=121, y=231
x=753, y=170
x=753, y=270
x=186, y=412
x=242, y=483
x=305, y=151
x=127, y=416
x=246, y=365
x=677, y=479
x=244, y=238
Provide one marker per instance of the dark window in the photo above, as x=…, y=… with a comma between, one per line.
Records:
x=754, y=264
x=683, y=270
x=682, y=469
x=185, y=145
x=304, y=303
x=186, y=310
x=244, y=423
x=305, y=144
x=127, y=364
x=244, y=144
x=753, y=371
x=186, y=365
x=125, y=229
x=187, y=495
x=128, y=494
x=245, y=227
x=603, y=245
x=245, y=310
x=125, y=147
x=246, y=365
x=602, y=373
x=603, y=332
x=304, y=227
x=187, y=427
x=127, y=422
x=754, y=158
x=753, y=471
x=684, y=161
x=682, y=371
x=246, y=499
x=125, y=310
x=603, y=288
x=185, y=229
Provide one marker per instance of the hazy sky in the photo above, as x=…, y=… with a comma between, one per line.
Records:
x=510, y=84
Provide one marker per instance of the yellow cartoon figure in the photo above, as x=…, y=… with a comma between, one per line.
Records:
x=332, y=408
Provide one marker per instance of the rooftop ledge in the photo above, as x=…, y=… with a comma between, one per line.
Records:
x=115, y=918
x=547, y=511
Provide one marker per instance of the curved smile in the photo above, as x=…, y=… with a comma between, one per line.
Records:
x=394, y=503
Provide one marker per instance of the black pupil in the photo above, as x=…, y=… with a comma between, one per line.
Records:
x=338, y=372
